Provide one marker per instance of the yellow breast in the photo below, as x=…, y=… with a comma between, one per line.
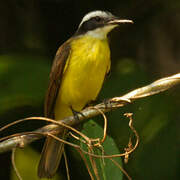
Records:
x=84, y=74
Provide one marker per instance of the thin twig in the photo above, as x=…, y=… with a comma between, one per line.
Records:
x=93, y=163
x=105, y=124
x=66, y=164
x=14, y=164
x=121, y=168
x=64, y=141
x=86, y=164
x=151, y=89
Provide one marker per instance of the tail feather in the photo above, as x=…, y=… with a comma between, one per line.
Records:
x=51, y=156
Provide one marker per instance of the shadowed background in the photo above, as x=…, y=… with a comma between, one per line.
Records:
x=31, y=32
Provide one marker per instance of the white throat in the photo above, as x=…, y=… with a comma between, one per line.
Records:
x=101, y=33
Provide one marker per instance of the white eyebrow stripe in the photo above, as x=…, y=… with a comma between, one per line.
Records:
x=94, y=14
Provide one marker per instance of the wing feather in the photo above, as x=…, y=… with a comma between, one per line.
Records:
x=56, y=74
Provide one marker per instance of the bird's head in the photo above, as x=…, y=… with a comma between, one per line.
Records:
x=99, y=23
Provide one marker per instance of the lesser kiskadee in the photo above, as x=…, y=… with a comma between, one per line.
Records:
x=76, y=77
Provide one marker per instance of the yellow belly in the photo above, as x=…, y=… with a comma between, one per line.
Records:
x=83, y=76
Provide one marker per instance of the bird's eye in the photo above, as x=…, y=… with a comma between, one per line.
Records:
x=97, y=18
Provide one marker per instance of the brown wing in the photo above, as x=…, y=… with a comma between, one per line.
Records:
x=56, y=78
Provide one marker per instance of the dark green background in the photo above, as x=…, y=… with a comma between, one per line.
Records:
x=30, y=33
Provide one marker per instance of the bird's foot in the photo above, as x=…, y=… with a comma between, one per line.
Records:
x=76, y=114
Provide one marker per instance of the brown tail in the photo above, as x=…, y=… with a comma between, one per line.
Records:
x=51, y=156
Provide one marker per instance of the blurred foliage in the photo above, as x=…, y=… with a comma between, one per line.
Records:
x=30, y=34
x=21, y=92
x=20, y=77
x=26, y=164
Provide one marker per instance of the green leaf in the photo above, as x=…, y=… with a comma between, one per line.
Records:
x=106, y=168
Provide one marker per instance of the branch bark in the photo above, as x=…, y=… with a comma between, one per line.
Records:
x=113, y=103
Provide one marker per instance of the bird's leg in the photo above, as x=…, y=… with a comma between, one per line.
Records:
x=76, y=113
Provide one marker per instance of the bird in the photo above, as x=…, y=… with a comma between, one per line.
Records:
x=76, y=78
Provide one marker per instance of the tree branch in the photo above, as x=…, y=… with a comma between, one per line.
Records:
x=113, y=103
